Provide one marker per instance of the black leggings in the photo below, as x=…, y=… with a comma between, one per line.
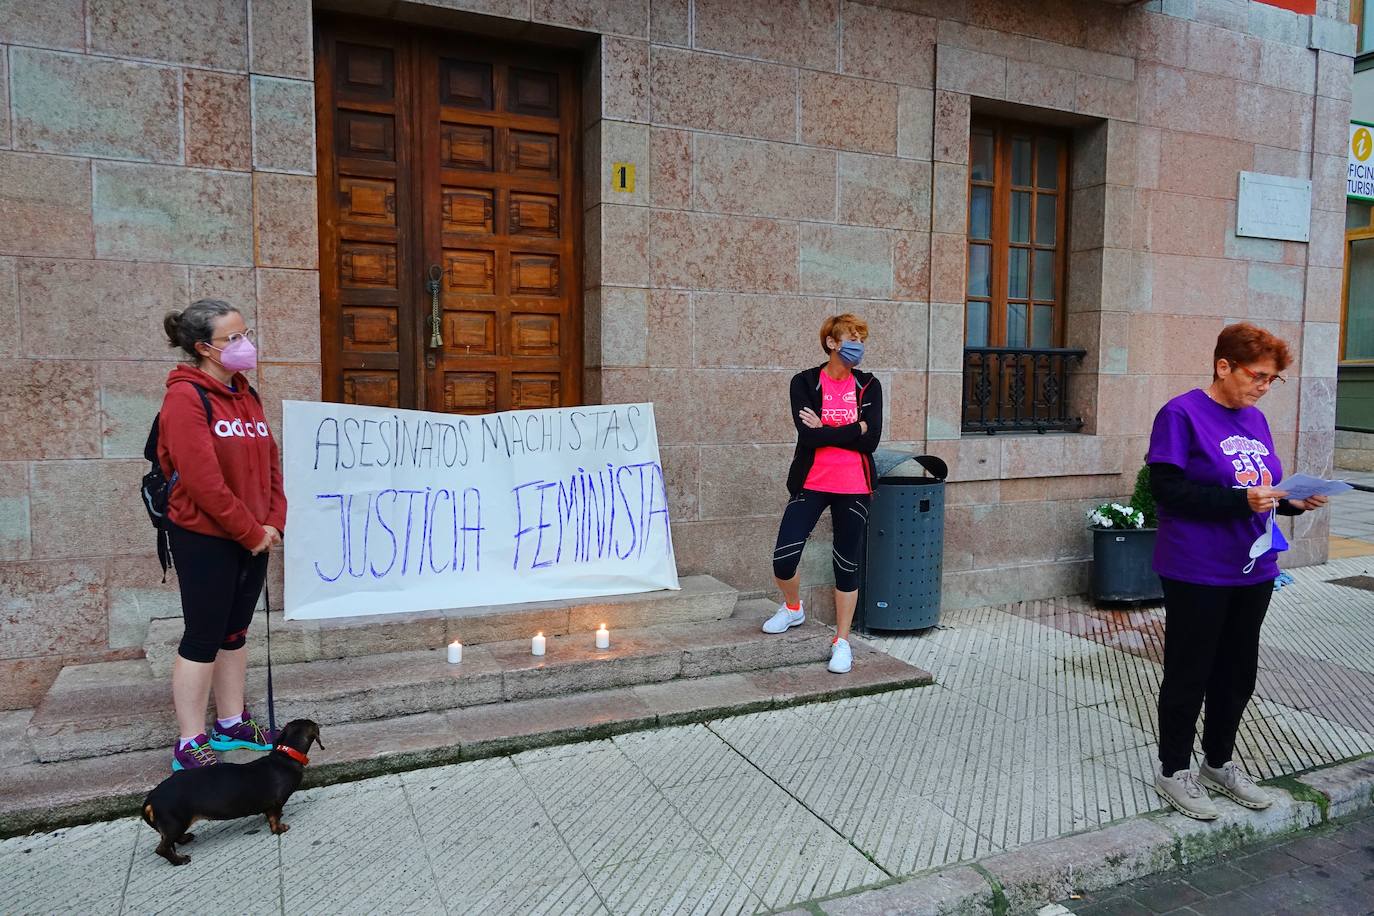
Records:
x=848, y=517
x=220, y=584
x=1211, y=654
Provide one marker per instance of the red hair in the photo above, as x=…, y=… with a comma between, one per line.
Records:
x=1245, y=343
x=841, y=326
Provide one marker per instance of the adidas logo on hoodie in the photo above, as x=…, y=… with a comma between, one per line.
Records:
x=228, y=430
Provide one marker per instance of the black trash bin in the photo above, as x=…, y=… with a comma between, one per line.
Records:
x=904, y=557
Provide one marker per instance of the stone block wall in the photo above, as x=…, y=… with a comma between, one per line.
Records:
x=836, y=179
x=796, y=158
x=1354, y=450
x=151, y=152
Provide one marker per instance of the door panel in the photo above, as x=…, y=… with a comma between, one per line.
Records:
x=367, y=341
x=451, y=159
x=497, y=128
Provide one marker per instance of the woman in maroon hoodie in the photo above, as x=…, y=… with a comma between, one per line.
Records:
x=225, y=512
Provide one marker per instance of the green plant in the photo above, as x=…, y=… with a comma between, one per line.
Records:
x=1142, y=499
x=1138, y=513
x=1117, y=516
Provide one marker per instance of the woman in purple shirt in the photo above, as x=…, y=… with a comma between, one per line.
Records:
x=1214, y=474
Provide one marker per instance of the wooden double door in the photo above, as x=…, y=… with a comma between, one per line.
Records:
x=449, y=220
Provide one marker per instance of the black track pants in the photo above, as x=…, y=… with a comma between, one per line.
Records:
x=1211, y=656
x=220, y=584
x=848, y=517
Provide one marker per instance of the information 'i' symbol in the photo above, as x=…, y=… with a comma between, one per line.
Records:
x=1362, y=144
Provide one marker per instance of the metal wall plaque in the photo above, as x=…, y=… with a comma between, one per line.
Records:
x=1274, y=207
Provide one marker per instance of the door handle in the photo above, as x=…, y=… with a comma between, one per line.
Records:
x=436, y=339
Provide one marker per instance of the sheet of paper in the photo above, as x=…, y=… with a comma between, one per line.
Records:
x=1301, y=486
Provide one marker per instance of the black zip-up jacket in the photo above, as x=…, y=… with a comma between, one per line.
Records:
x=1182, y=496
x=806, y=392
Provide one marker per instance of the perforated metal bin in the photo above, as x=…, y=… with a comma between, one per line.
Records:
x=904, y=557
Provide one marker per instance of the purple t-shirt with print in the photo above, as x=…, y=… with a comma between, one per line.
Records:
x=1220, y=447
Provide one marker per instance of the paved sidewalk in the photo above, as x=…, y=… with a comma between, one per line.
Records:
x=1352, y=514
x=1041, y=724
x=1327, y=870
x=1362, y=478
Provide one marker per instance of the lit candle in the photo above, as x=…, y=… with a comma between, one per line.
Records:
x=455, y=652
x=603, y=638
x=537, y=644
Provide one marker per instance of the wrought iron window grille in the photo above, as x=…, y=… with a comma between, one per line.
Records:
x=1018, y=389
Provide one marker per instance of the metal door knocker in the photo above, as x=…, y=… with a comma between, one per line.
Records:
x=436, y=339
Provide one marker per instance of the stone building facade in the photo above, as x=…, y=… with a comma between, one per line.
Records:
x=1355, y=375
x=794, y=158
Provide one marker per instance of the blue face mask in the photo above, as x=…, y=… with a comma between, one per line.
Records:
x=851, y=352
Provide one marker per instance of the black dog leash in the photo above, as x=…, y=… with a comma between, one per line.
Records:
x=267, y=621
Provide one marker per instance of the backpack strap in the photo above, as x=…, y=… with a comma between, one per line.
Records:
x=150, y=446
x=164, y=545
x=205, y=401
x=164, y=549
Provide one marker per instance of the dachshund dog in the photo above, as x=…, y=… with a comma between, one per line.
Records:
x=227, y=790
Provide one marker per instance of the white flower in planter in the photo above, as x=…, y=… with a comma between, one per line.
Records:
x=1116, y=515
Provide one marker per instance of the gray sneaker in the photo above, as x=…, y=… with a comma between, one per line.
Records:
x=841, y=657
x=784, y=620
x=1232, y=781
x=1184, y=792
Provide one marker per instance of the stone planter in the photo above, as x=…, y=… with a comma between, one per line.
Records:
x=1121, y=565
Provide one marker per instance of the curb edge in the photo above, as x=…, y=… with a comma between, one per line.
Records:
x=1023, y=879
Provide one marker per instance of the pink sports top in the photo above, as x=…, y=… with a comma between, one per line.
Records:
x=838, y=470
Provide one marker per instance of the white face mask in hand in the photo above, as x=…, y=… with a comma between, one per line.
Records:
x=1269, y=540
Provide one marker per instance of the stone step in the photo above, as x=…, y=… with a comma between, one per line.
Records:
x=117, y=707
x=44, y=796
x=700, y=598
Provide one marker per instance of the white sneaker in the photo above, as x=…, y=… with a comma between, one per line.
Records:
x=1233, y=782
x=841, y=657
x=1184, y=792
x=785, y=620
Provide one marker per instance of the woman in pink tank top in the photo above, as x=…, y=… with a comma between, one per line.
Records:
x=838, y=413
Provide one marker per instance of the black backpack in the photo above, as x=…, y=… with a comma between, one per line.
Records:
x=156, y=489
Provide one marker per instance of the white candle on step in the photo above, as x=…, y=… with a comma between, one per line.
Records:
x=537, y=644
x=455, y=652
x=603, y=638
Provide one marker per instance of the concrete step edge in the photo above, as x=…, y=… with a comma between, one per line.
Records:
x=701, y=599
x=56, y=729
x=98, y=677
x=106, y=788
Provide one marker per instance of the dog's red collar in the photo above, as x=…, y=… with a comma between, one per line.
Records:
x=293, y=754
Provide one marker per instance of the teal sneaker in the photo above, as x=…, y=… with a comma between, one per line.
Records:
x=248, y=734
x=193, y=756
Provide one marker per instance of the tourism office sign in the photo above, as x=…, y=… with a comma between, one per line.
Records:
x=1359, y=175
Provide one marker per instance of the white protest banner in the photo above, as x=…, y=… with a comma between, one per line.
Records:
x=405, y=510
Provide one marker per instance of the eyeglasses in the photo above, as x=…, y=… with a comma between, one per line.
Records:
x=1261, y=378
x=249, y=335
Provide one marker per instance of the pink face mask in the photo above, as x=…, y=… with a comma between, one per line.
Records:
x=239, y=356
